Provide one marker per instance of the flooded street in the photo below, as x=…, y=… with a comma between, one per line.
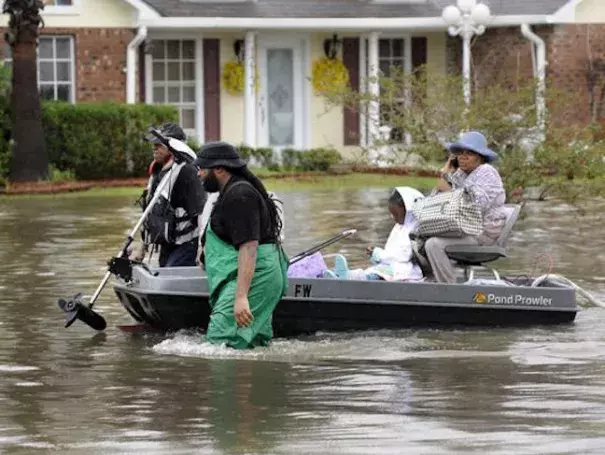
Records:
x=499, y=391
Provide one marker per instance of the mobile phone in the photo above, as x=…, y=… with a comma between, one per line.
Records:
x=455, y=163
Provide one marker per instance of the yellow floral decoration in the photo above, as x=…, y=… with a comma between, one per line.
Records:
x=329, y=75
x=234, y=77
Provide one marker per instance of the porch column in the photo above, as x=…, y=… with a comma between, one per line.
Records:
x=250, y=89
x=373, y=89
x=131, y=65
x=363, y=88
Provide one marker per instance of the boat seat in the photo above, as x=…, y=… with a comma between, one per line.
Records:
x=468, y=256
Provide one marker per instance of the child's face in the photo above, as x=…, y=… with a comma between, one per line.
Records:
x=397, y=213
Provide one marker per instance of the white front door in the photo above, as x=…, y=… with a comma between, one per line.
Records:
x=281, y=107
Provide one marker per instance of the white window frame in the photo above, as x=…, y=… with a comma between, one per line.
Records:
x=198, y=104
x=71, y=60
x=364, y=72
x=63, y=10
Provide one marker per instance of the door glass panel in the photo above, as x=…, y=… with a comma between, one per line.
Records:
x=280, y=91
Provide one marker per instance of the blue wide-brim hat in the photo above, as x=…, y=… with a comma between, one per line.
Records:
x=475, y=142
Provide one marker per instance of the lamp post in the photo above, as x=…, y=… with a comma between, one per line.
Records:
x=466, y=18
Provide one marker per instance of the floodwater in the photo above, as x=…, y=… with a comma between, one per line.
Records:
x=501, y=391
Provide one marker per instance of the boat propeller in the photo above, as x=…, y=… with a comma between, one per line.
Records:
x=76, y=309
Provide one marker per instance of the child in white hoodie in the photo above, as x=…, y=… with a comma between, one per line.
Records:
x=394, y=261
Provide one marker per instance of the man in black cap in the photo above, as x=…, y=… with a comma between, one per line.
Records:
x=243, y=257
x=173, y=224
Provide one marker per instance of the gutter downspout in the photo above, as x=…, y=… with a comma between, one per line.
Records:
x=540, y=73
x=131, y=61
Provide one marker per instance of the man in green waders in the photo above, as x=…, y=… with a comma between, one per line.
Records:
x=243, y=257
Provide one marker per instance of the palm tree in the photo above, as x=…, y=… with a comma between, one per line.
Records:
x=30, y=158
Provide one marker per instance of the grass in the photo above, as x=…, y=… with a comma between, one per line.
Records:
x=351, y=181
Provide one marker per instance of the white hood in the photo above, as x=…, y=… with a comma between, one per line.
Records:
x=410, y=196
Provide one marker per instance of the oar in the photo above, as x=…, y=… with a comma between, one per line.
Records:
x=321, y=246
x=75, y=308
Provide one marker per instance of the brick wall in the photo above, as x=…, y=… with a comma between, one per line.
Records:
x=503, y=55
x=571, y=52
x=100, y=59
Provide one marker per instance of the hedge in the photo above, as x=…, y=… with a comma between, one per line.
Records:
x=102, y=140
x=94, y=140
x=317, y=159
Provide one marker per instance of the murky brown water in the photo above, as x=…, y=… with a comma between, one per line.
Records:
x=531, y=391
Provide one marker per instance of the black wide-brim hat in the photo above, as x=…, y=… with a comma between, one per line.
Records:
x=218, y=154
x=169, y=130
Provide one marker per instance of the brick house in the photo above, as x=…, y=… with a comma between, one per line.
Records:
x=173, y=51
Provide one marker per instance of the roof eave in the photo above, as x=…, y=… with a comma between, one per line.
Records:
x=361, y=24
x=144, y=10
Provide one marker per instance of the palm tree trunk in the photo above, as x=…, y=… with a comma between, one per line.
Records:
x=30, y=157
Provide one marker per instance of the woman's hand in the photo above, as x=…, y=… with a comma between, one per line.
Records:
x=443, y=185
x=448, y=166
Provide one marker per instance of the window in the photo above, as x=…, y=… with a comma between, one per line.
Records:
x=391, y=61
x=173, y=78
x=61, y=7
x=392, y=54
x=55, y=67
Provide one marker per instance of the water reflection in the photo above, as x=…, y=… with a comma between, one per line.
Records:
x=430, y=391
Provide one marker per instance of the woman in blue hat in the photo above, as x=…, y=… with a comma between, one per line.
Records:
x=468, y=166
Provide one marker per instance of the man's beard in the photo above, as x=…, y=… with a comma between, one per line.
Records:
x=210, y=182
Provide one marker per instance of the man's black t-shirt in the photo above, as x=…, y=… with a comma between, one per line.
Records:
x=188, y=192
x=241, y=215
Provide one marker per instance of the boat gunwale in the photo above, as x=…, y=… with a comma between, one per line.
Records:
x=329, y=300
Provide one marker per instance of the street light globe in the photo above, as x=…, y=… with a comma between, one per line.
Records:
x=481, y=14
x=451, y=15
x=466, y=6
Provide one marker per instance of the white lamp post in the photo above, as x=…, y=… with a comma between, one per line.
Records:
x=466, y=18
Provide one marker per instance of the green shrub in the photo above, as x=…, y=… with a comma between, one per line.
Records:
x=55, y=175
x=319, y=159
x=290, y=158
x=5, y=122
x=193, y=144
x=102, y=140
x=260, y=156
x=265, y=157
x=5, y=158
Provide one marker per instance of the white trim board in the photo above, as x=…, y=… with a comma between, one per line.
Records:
x=567, y=13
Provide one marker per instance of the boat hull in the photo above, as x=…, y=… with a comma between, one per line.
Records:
x=177, y=298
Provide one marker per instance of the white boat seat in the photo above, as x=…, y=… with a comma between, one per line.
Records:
x=467, y=256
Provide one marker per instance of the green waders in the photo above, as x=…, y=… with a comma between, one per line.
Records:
x=269, y=284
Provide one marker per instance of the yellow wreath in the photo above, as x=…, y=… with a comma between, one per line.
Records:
x=234, y=77
x=329, y=75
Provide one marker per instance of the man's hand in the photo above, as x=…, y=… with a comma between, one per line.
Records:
x=243, y=315
x=369, y=250
x=137, y=254
x=198, y=255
